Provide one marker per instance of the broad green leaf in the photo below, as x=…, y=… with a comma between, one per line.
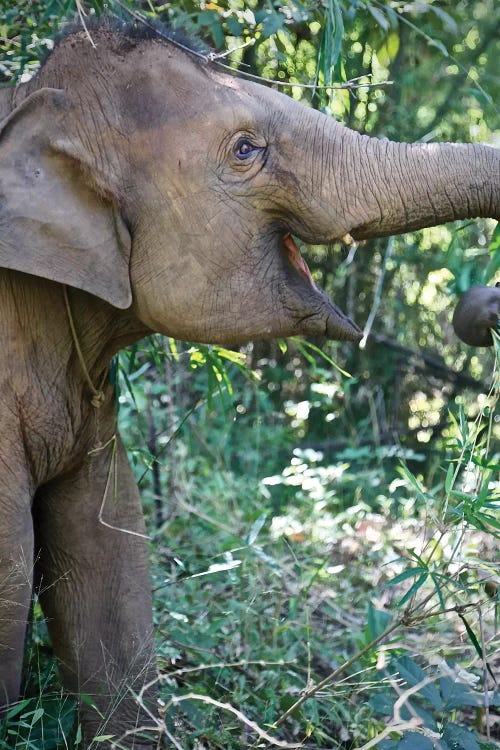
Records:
x=412, y=479
x=494, y=264
x=464, y=427
x=460, y=738
x=173, y=348
x=495, y=239
x=458, y=694
x=387, y=745
x=338, y=30
x=412, y=673
x=377, y=621
x=416, y=557
x=475, y=643
x=239, y=358
x=415, y=741
x=450, y=473
x=235, y=26
x=272, y=23
x=480, y=94
x=303, y=345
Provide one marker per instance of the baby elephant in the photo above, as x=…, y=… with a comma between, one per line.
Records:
x=477, y=313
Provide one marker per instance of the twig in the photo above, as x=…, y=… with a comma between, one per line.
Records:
x=82, y=14
x=244, y=719
x=398, y=724
x=378, y=293
x=412, y=724
x=406, y=620
x=227, y=665
x=113, y=472
x=172, y=437
x=333, y=675
x=349, y=85
x=218, y=55
x=484, y=666
x=158, y=729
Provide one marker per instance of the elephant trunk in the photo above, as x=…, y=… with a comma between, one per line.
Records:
x=382, y=188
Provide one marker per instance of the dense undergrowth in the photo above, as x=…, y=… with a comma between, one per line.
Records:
x=330, y=604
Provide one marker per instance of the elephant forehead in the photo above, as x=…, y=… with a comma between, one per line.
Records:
x=141, y=105
x=186, y=97
x=150, y=95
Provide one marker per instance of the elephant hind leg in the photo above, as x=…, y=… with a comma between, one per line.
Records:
x=95, y=593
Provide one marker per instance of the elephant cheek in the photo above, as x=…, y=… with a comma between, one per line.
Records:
x=166, y=289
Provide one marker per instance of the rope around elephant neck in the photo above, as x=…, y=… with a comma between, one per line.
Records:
x=98, y=396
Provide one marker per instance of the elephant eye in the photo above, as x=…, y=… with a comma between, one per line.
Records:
x=244, y=148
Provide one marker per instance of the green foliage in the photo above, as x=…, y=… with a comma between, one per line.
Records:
x=46, y=718
x=44, y=723
x=246, y=612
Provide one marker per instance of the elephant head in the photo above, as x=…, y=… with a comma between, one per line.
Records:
x=477, y=312
x=137, y=172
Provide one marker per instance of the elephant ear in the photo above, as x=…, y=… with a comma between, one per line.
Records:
x=56, y=221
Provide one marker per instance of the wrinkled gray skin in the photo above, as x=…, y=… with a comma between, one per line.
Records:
x=161, y=191
x=477, y=312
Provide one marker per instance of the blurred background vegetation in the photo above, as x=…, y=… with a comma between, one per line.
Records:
x=297, y=511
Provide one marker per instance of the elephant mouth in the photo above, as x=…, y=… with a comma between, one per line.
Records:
x=319, y=316
x=295, y=258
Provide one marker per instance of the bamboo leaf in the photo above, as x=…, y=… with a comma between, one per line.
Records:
x=413, y=589
x=379, y=17
x=435, y=581
x=472, y=637
x=448, y=482
x=410, y=573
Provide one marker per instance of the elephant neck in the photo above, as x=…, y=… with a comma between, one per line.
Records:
x=46, y=410
x=97, y=332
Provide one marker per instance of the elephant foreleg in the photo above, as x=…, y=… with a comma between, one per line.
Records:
x=95, y=593
x=16, y=576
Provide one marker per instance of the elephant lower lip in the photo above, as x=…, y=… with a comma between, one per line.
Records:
x=295, y=258
x=338, y=325
x=341, y=328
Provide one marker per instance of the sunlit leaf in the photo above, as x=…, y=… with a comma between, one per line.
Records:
x=256, y=528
